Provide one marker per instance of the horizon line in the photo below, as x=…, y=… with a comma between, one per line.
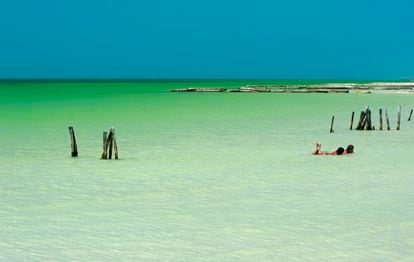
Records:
x=200, y=79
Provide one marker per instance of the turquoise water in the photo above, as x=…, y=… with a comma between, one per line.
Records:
x=202, y=176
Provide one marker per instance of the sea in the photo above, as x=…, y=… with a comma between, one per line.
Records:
x=201, y=176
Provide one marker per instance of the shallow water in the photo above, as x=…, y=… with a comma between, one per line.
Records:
x=211, y=176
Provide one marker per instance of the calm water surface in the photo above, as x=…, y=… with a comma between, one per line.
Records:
x=212, y=176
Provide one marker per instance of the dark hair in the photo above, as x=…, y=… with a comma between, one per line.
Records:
x=340, y=151
x=350, y=149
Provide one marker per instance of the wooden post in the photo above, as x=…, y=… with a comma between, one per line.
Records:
x=399, y=118
x=111, y=141
x=380, y=119
x=368, y=125
x=332, y=122
x=74, y=147
x=352, y=120
x=361, y=119
x=388, y=120
x=411, y=113
x=104, y=147
x=365, y=124
x=115, y=147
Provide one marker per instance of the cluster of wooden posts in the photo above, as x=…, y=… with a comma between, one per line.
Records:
x=365, y=123
x=109, y=144
x=365, y=120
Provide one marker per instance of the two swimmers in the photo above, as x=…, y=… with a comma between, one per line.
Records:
x=340, y=151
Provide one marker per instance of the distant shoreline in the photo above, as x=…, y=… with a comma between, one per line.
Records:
x=376, y=87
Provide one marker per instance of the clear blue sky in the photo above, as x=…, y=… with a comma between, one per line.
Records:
x=322, y=39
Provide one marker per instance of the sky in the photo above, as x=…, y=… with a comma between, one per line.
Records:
x=218, y=39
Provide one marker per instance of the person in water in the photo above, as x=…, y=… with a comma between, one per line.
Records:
x=340, y=151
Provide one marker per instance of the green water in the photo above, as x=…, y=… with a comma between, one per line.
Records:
x=202, y=176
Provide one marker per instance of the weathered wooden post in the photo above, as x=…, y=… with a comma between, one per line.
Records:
x=104, y=151
x=368, y=125
x=115, y=147
x=110, y=142
x=361, y=121
x=74, y=147
x=332, y=122
x=352, y=120
x=380, y=119
x=388, y=120
x=411, y=113
x=399, y=118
